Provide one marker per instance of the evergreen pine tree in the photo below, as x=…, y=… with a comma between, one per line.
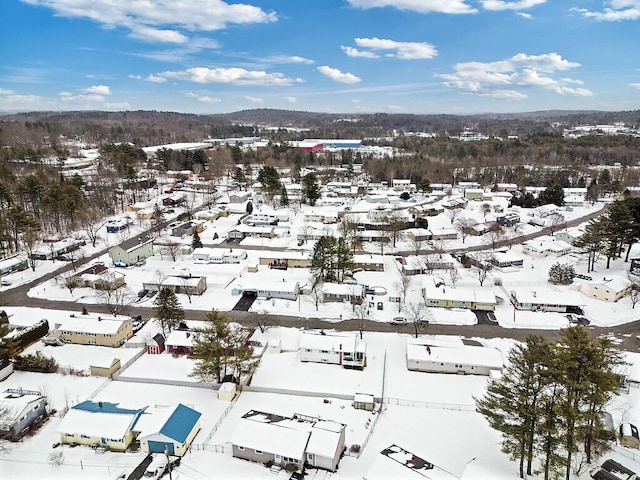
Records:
x=284, y=198
x=168, y=310
x=195, y=240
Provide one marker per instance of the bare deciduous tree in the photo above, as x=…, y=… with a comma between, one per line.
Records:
x=316, y=294
x=402, y=288
x=418, y=316
x=464, y=226
x=361, y=316
x=171, y=249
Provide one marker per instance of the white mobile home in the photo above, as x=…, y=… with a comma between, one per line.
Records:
x=460, y=359
x=350, y=352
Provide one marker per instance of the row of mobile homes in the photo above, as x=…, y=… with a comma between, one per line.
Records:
x=23, y=409
x=350, y=352
x=448, y=297
x=459, y=359
x=295, y=441
x=88, y=330
x=545, y=299
x=218, y=255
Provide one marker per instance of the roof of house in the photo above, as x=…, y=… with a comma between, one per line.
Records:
x=270, y=437
x=99, y=419
x=180, y=338
x=178, y=422
x=615, y=284
x=312, y=341
x=547, y=296
x=467, y=354
x=325, y=438
x=15, y=401
x=100, y=325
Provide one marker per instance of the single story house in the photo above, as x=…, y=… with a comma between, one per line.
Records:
x=570, y=235
x=416, y=265
x=608, y=289
x=168, y=429
x=105, y=331
x=23, y=409
x=320, y=216
x=16, y=263
x=418, y=234
x=243, y=231
x=115, y=226
x=509, y=219
x=465, y=359
x=285, y=259
x=448, y=297
x=444, y=233
x=506, y=259
x=343, y=292
x=186, y=229
x=543, y=247
x=180, y=342
x=474, y=193
x=156, y=344
x=263, y=438
x=267, y=287
x=546, y=299
x=369, y=263
x=218, y=255
x=178, y=284
x=269, y=442
x=102, y=424
x=212, y=214
x=350, y=352
x=131, y=256
x=99, y=277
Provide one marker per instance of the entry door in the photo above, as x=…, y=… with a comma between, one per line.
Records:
x=278, y=459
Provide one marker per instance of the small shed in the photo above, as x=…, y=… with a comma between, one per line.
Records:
x=227, y=391
x=106, y=370
x=274, y=346
x=155, y=344
x=6, y=369
x=364, y=401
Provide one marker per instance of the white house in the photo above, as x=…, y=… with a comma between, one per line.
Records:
x=424, y=356
x=342, y=292
x=218, y=255
x=22, y=409
x=545, y=246
x=460, y=297
x=267, y=287
x=168, y=429
x=546, y=299
x=350, y=352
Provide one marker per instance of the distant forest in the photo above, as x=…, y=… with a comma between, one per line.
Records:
x=539, y=156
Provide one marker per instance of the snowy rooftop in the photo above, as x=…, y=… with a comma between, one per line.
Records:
x=100, y=325
x=270, y=437
x=469, y=355
x=547, y=296
x=311, y=341
x=479, y=295
x=180, y=338
x=325, y=436
x=97, y=424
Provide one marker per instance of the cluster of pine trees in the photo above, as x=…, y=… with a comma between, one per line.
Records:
x=332, y=258
x=549, y=405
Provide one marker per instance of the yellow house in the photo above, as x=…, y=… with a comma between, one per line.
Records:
x=104, y=331
x=101, y=424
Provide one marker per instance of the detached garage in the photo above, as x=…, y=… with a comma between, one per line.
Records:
x=168, y=430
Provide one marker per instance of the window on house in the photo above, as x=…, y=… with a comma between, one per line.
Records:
x=324, y=351
x=240, y=447
x=259, y=452
x=85, y=436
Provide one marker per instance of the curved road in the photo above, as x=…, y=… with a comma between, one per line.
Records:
x=626, y=334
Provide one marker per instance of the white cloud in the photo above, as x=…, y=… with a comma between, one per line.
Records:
x=613, y=11
x=289, y=59
x=506, y=5
x=98, y=90
x=234, y=76
x=253, y=99
x=6, y=92
x=354, y=52
x=9, y=99
x=81, y=98
x=524, y=15
x=395, y=108
x=403, y=50
x=418, y=6
x=143, y=18
x=337, y=76
x=635, y=85
x=155, y=79
x=291, y=99
x=203, y=98
x=502, y=78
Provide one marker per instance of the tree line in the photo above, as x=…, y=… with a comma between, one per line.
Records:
x=549, y=404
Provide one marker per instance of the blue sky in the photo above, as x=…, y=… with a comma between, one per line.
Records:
x=342, y=56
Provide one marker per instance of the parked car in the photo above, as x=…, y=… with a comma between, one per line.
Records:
x=398, y=321
x=157, y=467
x=137, y=325
x=491, y=317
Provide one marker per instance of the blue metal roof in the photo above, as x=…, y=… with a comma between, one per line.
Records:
x=105, y=407
x=180, y=423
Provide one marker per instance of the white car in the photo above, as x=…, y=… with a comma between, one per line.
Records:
x=157, y=467
x=398, y=321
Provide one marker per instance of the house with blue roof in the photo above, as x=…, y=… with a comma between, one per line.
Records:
x=102, y=424
x=168, y=430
